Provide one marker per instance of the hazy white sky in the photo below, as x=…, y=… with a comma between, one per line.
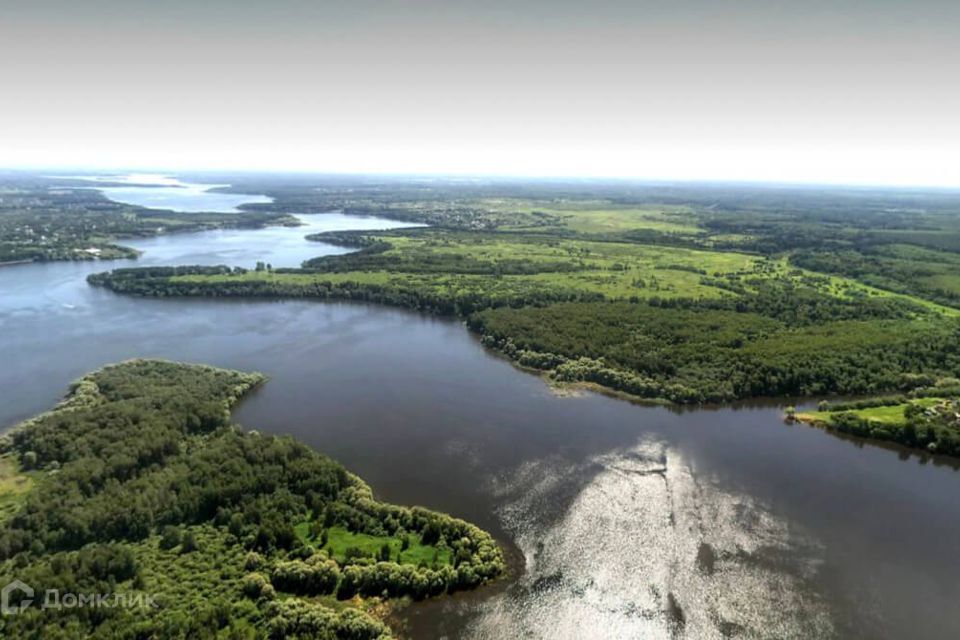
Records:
x=840, y=91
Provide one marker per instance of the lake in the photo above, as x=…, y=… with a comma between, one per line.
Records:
x=167, y=192
x=622, y=521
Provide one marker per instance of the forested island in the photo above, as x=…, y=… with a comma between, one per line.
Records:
x=685, y=295
x=138, y=486
x=42, y=219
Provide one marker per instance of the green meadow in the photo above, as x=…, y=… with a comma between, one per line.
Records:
x=462, y=264
x=408, y=549
x=14, y=486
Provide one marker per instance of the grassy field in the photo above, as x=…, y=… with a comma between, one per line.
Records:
x=892, y=415
x=674, y=220
x=599, y=216
x=615, y=270
x=339, y=540
x=14, y=486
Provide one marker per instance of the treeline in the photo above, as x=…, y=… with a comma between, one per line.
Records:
x=911, y=277
x=865, y=403
x=374, y=255
x=166, y=282
x=917, y=432
x=434, y=263
x=142, y=454
x=350, y=239
x=63, y=251
x=693, y=354
x=798, y=305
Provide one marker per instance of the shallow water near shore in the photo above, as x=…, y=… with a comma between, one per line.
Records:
x=622, y=521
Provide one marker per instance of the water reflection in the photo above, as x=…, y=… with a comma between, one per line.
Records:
x=647, y=549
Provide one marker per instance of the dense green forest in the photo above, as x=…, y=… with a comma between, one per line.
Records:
x=138, y=487
x=41, y=220
x=697, y=354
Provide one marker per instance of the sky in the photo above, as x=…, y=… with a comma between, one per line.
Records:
x=851, y=91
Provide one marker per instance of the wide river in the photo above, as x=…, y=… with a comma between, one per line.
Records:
x=622, y=521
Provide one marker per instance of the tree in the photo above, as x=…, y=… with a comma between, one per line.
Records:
x=431, y=533
x=30, y=460
x=170, y=537
x=254, y=584
x=909, y=433
x=188, y=543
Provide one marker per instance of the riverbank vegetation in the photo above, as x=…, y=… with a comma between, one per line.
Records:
x=42, y=221
x=138, y=484
x=930, y=422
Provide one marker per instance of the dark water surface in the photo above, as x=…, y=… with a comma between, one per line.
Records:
x=624, y=521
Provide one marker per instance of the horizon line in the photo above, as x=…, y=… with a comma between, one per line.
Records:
x=463, y=175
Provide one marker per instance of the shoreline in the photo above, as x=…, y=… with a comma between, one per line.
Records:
x=890, y=444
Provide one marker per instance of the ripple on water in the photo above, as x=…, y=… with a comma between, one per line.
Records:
x=647, y=549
